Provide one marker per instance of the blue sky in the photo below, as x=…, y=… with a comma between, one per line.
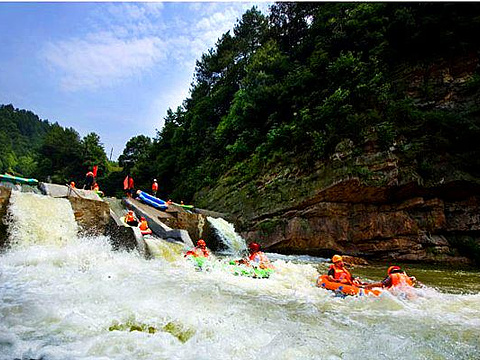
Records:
x=109, y=68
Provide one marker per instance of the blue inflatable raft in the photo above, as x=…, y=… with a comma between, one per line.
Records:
x=152, y=200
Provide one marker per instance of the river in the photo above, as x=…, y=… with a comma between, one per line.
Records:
x=68, y=297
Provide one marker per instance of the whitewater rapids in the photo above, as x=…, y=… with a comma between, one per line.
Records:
x=69, y=297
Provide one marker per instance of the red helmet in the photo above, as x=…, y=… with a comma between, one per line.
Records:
x=201, y=243
x=392, y=268
x=254, y=246
x=142, y=218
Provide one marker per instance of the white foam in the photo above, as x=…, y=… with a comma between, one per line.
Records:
x=58, y=301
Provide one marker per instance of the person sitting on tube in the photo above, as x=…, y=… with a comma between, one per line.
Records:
x=143, y=226
x=257, y=257
x=200, y=250
x=338, y=273
x=130, y=219
x=396, y=277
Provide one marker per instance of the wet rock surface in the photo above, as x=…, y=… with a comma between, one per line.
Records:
x=4, y=200
x=415, y=229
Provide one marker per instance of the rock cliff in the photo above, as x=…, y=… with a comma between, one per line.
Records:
x=368, y=200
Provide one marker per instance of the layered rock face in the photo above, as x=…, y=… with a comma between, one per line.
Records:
x=421, y=228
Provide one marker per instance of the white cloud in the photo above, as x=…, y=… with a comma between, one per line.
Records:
x=102, y=59
x=124, y=40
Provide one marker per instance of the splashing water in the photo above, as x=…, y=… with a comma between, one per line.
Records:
x=162, y=249
x=38, y=219
x=81, y=300
x=233, y=242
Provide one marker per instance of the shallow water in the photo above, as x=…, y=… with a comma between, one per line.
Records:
x=78, y=299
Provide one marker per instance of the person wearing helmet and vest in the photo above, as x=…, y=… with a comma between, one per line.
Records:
x=143, y=226
x=154, y=187
x=396, y=277
x=130, y=219
x=200, y=250
x=89, y=180
x=257, y=257
x=338, y=273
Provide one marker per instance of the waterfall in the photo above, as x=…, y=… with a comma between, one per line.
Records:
x=40, y=220
x=233, y=242
x=159, y=248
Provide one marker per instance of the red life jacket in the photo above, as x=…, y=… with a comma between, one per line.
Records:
x=341, y=274
x=400, y=279
x=261, y=259
x=143, y=225
x=129, y=217
x=198, y=252
x=155, y=186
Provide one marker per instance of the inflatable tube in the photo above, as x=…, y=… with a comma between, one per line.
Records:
x=152, y=200
x=146, y=232
x=18, y=180
x=183, y=206
x=248, y=271
x=122, y=219
x=199, y=262
x=345, y=289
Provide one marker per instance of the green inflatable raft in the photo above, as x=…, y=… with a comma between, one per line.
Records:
x=188, y=207
x=249, y=271
x=232, y=267
x=17, y=180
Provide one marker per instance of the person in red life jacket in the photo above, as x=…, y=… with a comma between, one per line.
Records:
x=130, y=219
x=143, y=226
x=396, y=277
x=154, y=187
x=89, y=180
x=131, y=186
x=257, y=257
x=338, y=273
x=200, y=250
x=169, y=202
x=96, y=188
x=72, y=184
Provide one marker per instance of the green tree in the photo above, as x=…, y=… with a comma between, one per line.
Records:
x=60, y=155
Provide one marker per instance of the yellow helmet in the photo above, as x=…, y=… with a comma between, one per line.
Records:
x=336, y=258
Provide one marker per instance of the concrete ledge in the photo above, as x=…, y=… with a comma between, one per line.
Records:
x=55, y=190
x=91, y=215
x=124, y=237
x=158, y=227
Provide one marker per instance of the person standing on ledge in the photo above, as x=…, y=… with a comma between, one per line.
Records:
x=154, y=187
x=128, y=186
x=89, y=180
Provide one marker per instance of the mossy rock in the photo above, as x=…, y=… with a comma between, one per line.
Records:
x=179, y=331
x=133, y=326
x=174, y=328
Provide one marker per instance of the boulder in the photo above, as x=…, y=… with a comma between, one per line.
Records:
x=4, y=201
